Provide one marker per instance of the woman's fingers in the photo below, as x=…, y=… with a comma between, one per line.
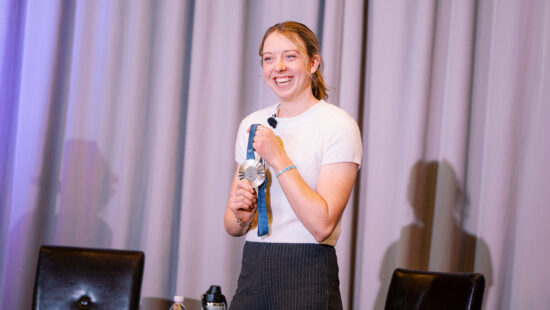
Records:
x=244, y=215
x=268, y=145
x=242, y=207
x=241, y=202
x=244, y=185
x=243, y=197
x=265, y=142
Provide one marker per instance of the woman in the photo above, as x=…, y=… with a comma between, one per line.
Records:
x=312, y=151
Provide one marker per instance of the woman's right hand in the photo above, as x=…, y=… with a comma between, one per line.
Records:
x=241, y=206
x=242, y=201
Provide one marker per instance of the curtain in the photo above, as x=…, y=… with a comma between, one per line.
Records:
x=118, y=122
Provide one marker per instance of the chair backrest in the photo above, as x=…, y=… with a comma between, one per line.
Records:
x=423, y=290
x=82, y=278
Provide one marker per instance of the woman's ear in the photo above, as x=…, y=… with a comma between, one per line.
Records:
x=315, y=62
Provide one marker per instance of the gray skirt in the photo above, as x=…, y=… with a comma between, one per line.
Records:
x=288, y=276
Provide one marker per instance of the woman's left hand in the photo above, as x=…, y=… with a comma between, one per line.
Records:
x=269, y=146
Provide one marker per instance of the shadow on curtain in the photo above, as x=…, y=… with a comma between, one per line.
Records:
x=433, y=187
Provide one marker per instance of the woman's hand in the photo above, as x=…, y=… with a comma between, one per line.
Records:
x=242, y=200
x=241, y=206
x=270, y=147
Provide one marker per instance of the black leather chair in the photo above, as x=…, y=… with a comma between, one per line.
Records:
x=423, y=290
x=81, y=278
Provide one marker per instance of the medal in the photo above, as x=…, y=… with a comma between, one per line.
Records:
x=253, y=171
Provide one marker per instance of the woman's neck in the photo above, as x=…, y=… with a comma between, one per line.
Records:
x=296, y=106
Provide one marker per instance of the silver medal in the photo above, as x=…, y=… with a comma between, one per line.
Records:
x=253, y=171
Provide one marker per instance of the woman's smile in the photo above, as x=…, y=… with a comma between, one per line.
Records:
x=283, y=81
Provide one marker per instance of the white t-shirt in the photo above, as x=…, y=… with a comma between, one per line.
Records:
x=323, y=134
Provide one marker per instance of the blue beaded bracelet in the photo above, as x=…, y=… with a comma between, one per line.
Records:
x=284, y=170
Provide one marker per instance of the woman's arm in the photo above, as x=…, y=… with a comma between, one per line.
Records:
x=241, y=206
x=319, y=210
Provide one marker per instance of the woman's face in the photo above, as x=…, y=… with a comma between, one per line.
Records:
x=286, y=69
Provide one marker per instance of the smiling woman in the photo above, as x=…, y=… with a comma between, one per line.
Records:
x=311, y=160
x=287, y=68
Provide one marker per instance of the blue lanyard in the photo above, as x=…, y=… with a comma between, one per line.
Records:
x=263, y=226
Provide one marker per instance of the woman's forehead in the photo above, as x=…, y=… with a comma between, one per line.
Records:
x=277, y=41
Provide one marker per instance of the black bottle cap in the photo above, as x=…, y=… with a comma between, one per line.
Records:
x=214, y=294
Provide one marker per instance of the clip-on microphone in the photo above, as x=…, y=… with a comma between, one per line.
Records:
x=272, y=121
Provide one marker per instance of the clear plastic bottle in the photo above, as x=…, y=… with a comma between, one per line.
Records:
x=178, y=303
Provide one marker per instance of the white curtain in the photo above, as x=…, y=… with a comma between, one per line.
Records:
x=118, y=121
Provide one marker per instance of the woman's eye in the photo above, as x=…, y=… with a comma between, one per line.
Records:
x=291, y=56
x=267, y=59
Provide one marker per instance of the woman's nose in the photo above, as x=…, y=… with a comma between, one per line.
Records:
x=280, y=65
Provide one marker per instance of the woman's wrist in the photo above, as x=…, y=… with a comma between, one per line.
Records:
x=244, y=224
x=240, y=223
x=285, y=170
x=281, y=164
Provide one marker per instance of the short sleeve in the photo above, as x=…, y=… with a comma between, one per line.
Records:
x=241, y=142
x=342, y=141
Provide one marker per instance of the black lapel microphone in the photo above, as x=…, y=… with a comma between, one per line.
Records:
x=272, y=121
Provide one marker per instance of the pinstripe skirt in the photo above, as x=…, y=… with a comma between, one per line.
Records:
x=287, y=276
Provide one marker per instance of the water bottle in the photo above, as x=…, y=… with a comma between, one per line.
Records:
x=178, y=303
x=213, y=299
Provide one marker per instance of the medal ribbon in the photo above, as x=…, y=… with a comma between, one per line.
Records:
x=263, y=226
